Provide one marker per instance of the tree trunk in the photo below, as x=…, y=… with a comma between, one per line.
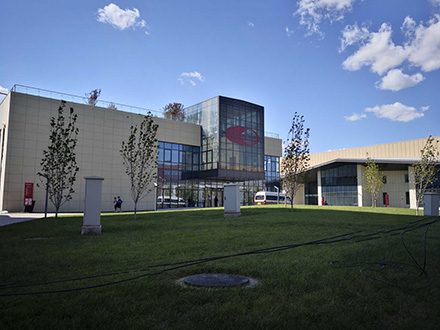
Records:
x=56, y=216
x=135, y=209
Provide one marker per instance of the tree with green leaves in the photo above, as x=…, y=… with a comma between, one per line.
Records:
x=296, y=157
x=59, y=159
x=174, y=111
x=373, y=180
x=139, y=155
x=426, y=169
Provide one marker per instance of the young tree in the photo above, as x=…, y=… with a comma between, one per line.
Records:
x=92, y=97
x=139, y=156
x=373, y=180
x=296, y=157
x=59, y=160
x=174, y=111
x=112, y=106
x=426, y=169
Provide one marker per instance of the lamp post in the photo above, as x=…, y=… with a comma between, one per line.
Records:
x=47, y=192
x=155, y=196
x=278, y=194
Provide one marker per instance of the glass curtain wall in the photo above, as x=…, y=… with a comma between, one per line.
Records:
x=241, y=139
x=272, y=172
x=206, y=115
x=339, y=185
x=174, y=161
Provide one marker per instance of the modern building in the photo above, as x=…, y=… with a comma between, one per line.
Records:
x=221, y=140
x=337, y=177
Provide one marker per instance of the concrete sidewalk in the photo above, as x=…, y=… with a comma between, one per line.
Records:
x=11, y=218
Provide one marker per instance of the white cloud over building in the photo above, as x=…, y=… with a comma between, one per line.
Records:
x=120, y=18
x=378, y=51
x=191, y=78
x=313, y=12
x=396, y=80
x=397, y=112
x=355, y=117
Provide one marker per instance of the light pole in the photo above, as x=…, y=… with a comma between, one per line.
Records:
x=47, y=192
x=155, y=196
x=278, y=194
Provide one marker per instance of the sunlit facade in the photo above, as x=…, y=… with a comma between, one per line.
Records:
x=337, y=177
x=221, y=140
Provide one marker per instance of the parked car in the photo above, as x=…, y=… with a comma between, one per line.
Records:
x=172, y=202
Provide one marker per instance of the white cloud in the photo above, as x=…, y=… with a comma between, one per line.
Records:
x=250, y=24
x=424, y=44
x=352, y=34
x=3, y=91
x=397, y=112
x=119, y=18
x=288, y=31
x=435, y=2
x=379, y=52
x=396, y=80
x=312, y=12
x=190, y=77
x=355, y=117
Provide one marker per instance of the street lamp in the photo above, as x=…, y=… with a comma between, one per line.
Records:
x=47, y=191
x=155, y=196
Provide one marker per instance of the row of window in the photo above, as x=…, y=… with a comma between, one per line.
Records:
x=173, y=159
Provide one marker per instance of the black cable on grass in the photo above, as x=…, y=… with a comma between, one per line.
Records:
x=399, y=266
x=177, y=265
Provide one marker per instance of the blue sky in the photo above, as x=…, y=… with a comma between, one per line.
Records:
x=361, y=72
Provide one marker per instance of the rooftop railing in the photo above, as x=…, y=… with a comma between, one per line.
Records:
x=99, y=103
x=83, y=100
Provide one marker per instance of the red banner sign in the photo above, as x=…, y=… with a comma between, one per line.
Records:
x=28, y=194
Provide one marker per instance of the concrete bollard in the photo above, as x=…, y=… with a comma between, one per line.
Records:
x=92, y=206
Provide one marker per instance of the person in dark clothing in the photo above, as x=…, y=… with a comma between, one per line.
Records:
x=118, y=204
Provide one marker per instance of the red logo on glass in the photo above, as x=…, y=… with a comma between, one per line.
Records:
x=242, y=135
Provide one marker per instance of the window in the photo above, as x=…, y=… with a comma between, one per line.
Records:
x=406, y=179
x=384, y=179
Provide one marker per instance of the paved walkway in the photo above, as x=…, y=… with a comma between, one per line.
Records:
x=10, y=218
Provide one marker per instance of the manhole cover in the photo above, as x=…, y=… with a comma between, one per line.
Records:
x=216, y=280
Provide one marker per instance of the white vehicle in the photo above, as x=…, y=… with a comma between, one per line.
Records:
x=269, y=197
x=166, y=201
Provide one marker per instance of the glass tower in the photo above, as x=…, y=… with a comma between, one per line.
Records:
x=232, y=138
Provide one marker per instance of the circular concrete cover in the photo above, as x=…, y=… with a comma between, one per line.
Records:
x=216, y=280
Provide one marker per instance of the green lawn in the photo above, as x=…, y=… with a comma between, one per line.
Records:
x=298, y=288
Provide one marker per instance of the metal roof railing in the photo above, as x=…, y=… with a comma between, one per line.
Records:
x=99, y=103
x=82, y=99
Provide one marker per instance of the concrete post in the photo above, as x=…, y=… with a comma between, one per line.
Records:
x=92, y=206
x=318, y=178
x=412, y=188
x=360, y=174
